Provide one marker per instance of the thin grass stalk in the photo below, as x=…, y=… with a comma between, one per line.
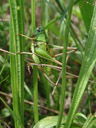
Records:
x=89, y=100
x=52, y=22
x=33, y=24
x=88, y=122
x=35, y=79
x=59, y=5
x=13, y=77
x=46, y=89
x=46, y=15
x=45, y=12
x=17, y=62
x=35, y=95
x=63, y=88
x=20, y=19
x=45, y=19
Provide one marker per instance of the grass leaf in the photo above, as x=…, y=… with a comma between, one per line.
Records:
x=89, y=60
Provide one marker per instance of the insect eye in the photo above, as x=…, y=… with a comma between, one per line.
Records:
x=38, y=29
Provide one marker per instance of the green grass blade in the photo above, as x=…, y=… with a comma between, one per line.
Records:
x=51, y=121
x=59, y=5
x=17, y=62
x=48, y=122
x=33, y=24
x=89, y=9
x=89, y=60
x=52, y=22
x=51, y=5
x=13, y=75
x=63, y=88
x=45, y=20
x=35, y=94
x=35, y=79
x=91, y=120
x=46, y=87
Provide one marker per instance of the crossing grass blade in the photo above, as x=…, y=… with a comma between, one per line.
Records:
x=63, y=88
x=90, y=122
x=45, y=20
x=89, y=9
x=35, y=71
x=89, y=60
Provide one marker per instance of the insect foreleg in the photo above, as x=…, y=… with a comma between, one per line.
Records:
x=57, y=82
x=48, y=78
x=28, y=67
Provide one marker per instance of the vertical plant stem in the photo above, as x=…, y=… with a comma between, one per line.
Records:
x=45, y=19
x=13, y=76
x=89, y=101
x=33, y=24
x=63, y=88
x=17, y=62
x=35, y=95
x=35, y=79
x=45, y=13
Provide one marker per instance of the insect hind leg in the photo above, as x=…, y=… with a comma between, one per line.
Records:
x=28, y=67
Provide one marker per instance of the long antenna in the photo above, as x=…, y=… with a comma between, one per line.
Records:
x=26, y=36
x=2, y=50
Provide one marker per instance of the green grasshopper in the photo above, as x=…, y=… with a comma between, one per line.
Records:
x=40, y=49
x=40, y=46
x=41, y=52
